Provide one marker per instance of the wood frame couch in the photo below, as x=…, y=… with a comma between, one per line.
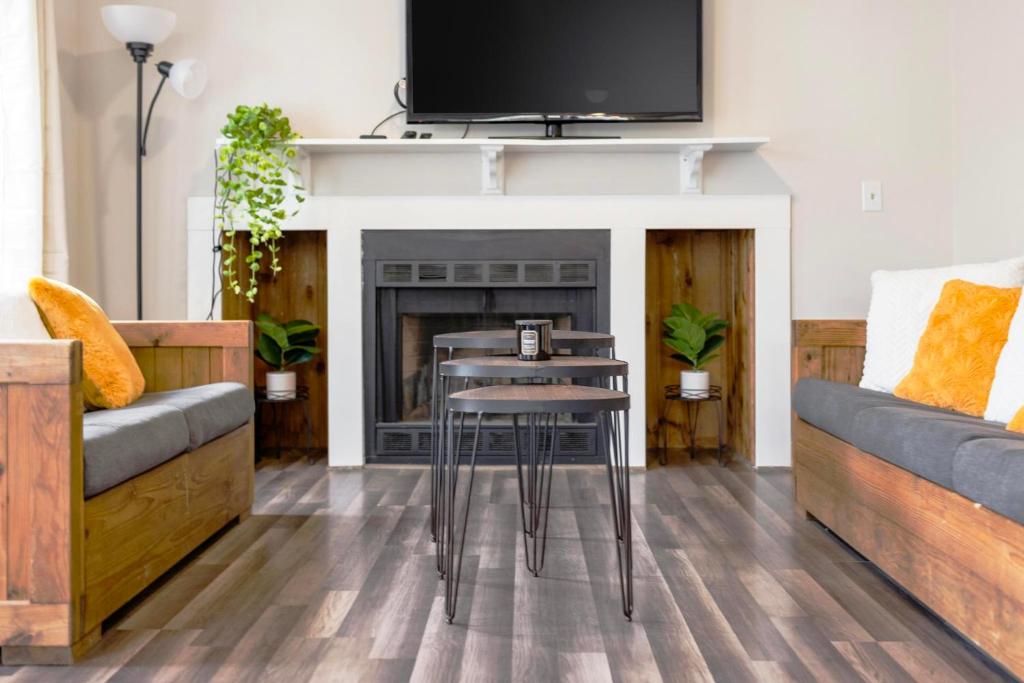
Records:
x=960, y=559
x=67, y=563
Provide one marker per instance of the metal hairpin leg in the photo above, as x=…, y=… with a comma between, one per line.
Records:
x=453, y=564
x=615, y=444
x=535, y=487
x=434, y=449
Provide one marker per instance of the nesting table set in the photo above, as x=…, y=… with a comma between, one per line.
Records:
x=533, y=393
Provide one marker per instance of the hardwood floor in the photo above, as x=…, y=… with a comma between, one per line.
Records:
x=332, y=579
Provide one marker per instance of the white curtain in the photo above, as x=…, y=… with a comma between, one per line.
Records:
x=33, y=231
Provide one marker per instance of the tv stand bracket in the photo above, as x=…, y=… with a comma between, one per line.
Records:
x=691, y=168
x=492, y=180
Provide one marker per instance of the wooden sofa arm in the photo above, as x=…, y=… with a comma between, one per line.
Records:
x=177, y=354
x=829, y=349
x=41, y=507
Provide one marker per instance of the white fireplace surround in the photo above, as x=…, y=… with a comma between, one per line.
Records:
x=627, y=217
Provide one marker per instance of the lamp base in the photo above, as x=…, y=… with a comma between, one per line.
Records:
x=140, y=51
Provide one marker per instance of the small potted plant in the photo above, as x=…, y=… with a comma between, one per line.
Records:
x=694, y=336
x=283, y=346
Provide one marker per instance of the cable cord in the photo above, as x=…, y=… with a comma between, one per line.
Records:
x=215, y=248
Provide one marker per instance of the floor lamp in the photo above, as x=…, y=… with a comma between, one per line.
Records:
x=141, y=27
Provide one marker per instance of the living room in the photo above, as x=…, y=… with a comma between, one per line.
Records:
x=311, y=311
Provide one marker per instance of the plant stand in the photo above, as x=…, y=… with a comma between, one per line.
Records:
x=691, y=405
x=301, y=398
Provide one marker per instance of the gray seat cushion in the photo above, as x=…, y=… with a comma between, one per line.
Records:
x=920, y=439
x=916, y=437
x=210, y=410
x=120, y=444
x=833, y=407
x=991, y=472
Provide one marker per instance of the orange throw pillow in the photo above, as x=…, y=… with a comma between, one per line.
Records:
x=112, y=378
x=1017, y=423
x=957, y=354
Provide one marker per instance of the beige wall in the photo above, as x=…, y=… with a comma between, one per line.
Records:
x=846, y=90
x=988, y=130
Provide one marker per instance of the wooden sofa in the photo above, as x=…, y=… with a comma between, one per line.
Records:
x=67, y=563
x=960, y=559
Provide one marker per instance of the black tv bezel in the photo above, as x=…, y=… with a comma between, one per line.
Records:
x=413, y=117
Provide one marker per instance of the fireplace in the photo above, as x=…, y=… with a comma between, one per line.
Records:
x=420, y=283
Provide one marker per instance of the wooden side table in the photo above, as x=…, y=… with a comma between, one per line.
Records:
x=691, y=404
x=301, y=398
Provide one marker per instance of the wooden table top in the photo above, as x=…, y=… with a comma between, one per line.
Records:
x=537, y=398
x=506, y=339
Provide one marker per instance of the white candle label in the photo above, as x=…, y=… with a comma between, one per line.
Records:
x=528, y=343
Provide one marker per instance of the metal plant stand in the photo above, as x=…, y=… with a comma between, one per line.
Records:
x=301, y=398
x=691, y=403
x=575, y=341
x=540, y=404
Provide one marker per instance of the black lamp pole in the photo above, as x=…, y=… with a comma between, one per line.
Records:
x=140, y=53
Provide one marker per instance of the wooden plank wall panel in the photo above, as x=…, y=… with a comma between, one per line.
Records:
x=712, y=269
x=829, y=349
x=299, y=291
x=3, y=492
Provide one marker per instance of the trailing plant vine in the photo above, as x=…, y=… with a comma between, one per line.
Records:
x=255, y=177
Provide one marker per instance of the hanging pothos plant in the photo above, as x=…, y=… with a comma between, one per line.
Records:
x=255, y=178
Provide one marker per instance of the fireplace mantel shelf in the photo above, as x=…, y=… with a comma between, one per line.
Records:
x=492, y=152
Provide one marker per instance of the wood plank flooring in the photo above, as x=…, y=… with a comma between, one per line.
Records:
x=332, y=579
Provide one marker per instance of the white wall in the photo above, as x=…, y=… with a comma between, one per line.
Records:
x=846, y=91
x=988, y=130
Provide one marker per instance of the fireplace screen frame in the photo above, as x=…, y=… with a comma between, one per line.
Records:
x=385, y=296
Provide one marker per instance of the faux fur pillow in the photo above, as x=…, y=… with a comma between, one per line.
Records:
x=112, y=378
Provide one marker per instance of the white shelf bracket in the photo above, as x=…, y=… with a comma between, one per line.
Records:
x=691, y=168
x=492, y=169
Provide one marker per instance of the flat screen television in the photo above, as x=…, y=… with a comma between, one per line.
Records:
x=553, y=61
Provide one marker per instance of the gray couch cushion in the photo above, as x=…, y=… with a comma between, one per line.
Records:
x=991, y=472
x=120, y=444
x=920, y=439
x=211, y=410
x=833, y=407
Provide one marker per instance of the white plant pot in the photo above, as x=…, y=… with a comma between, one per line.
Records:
x=281, y=385
x=694, y=383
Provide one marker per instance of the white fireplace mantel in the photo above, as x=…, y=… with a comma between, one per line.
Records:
x=626, y=217
x=492, y=152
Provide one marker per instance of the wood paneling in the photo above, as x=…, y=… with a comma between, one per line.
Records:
x=714, y=270
x=298, y=291
x=960, y=559
x=829, y=349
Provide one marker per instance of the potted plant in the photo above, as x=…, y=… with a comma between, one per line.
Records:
x=257, y=189
x=694, y=336
x=283, y=346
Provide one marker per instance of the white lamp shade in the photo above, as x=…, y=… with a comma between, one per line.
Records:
x=138, y=23
x=188, y=78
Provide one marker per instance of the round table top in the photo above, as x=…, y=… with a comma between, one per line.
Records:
x=510, y=367
x=502, y=399
x=506, y=339
x=673, y=393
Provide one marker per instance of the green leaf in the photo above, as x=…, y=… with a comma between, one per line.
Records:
x=685, y=310
x=269, y=351
x=274, y=331
x=710, y=346
x=297, y=356
x=299, y=326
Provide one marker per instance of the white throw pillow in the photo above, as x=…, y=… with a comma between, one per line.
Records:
x=1007, y=394
x=901, y=303
x=19, y=318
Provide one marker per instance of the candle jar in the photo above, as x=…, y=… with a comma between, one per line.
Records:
x=533, y=339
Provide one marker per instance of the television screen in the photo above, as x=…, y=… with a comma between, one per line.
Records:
x=553, y=60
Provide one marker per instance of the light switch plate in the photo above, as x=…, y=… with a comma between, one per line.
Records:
x=871, y=195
